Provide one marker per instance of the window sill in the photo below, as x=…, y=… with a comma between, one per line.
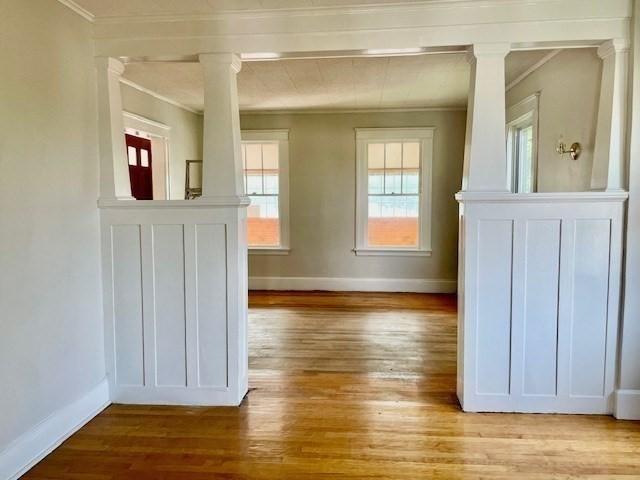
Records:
x=268, y=251
x=391, y=252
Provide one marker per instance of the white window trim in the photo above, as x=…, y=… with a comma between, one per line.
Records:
x=282, y=137
x=365, y=136
x=524, y=112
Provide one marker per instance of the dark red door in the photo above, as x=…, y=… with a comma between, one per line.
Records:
x=139, y=154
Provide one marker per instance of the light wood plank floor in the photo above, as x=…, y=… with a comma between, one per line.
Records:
x=346, y=386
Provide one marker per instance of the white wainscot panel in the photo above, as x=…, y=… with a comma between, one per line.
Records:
x=540, y=301
x=493, y=320
x=540, y=326
x=126, y=271
x=175, y=329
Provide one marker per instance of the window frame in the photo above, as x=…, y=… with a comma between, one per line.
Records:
x=280, y=136
x=365, y=136
x=521, y=115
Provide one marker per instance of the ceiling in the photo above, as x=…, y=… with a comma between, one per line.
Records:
x=117, y=8
x=419, y=81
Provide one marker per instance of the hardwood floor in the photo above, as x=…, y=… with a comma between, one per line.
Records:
x=346, y=386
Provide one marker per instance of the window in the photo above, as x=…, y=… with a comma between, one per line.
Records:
x=265, y=158
x=522, y=141
x=394, y=191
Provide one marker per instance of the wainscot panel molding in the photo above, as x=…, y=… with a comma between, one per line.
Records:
x=175, y=301
x=334, y=284
x=28, y=449
x=540, y=302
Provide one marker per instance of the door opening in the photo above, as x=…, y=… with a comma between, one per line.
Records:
x=140, y=167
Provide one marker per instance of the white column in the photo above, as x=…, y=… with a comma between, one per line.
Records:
x=222, y=162
x=114, y=167
x=608, y=171
x=485, y=156
x=627, y=403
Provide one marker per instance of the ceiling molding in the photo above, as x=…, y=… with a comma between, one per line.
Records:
x=158, y=96
x=84, y=13
x=532, y=68
x=311, y=111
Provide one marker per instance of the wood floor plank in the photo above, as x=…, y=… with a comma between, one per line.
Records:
x=355, y=386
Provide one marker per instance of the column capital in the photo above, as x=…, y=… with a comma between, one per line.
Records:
x=498, y=49
x=615, y=45
x=225, y=58
x=110, y=64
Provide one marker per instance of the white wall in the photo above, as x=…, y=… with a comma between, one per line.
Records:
x=51, y=337
x=569, y=86
x=186, y=132
x=322, y=191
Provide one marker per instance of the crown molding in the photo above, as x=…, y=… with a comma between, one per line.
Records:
x=83, y=12
x=532, y=68
x=312, y=111
x=158, y=96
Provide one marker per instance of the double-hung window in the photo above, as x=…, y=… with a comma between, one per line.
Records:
x=393, y=214
x=265, y=159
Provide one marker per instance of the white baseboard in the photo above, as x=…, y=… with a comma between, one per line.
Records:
x=31, y=447
x=336, y=284
x=627, y=405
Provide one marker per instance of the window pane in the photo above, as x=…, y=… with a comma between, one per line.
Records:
x=144, y=158
x=410, y=181
x=376, y=182
x=393, y=221
x=411, y=155
x=271, y=183
x=131, y=153
x=253, y=156
x=375, y=156
x=393, y=155
x=270, y=156
x=393, y=181
x=254, y=183
x=263, y=224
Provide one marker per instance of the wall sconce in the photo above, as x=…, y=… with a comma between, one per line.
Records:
x=574, y=151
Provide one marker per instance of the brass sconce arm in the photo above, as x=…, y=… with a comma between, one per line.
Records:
x=574, y=151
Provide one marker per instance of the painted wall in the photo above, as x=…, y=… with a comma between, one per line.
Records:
x=185, y=141
x=569, y=86
x=322, y=189
x=51, y=340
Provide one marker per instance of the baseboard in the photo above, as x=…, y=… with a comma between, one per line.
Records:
x=338, y=284
x=627, y=405
x=31, y=447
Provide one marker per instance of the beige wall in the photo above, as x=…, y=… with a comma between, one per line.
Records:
x=51, y=329
x=322, y=188
x=569, y=86
x=186, y=132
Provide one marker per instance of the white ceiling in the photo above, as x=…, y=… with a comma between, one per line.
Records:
x=421, y=81
x=117, y=8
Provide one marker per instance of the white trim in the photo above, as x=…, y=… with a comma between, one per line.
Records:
x=282, y=137
x=142, y=89
x=83, y=12
x=532, y=69
x=627, y=405
x=268, y=251
x=341, y=284
x=333, y=111
x=391, y=252
x=367, y=135
x=31, y=447
x=525, y=112
x=201, y=202
x=547, y=197
x=150, y=126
